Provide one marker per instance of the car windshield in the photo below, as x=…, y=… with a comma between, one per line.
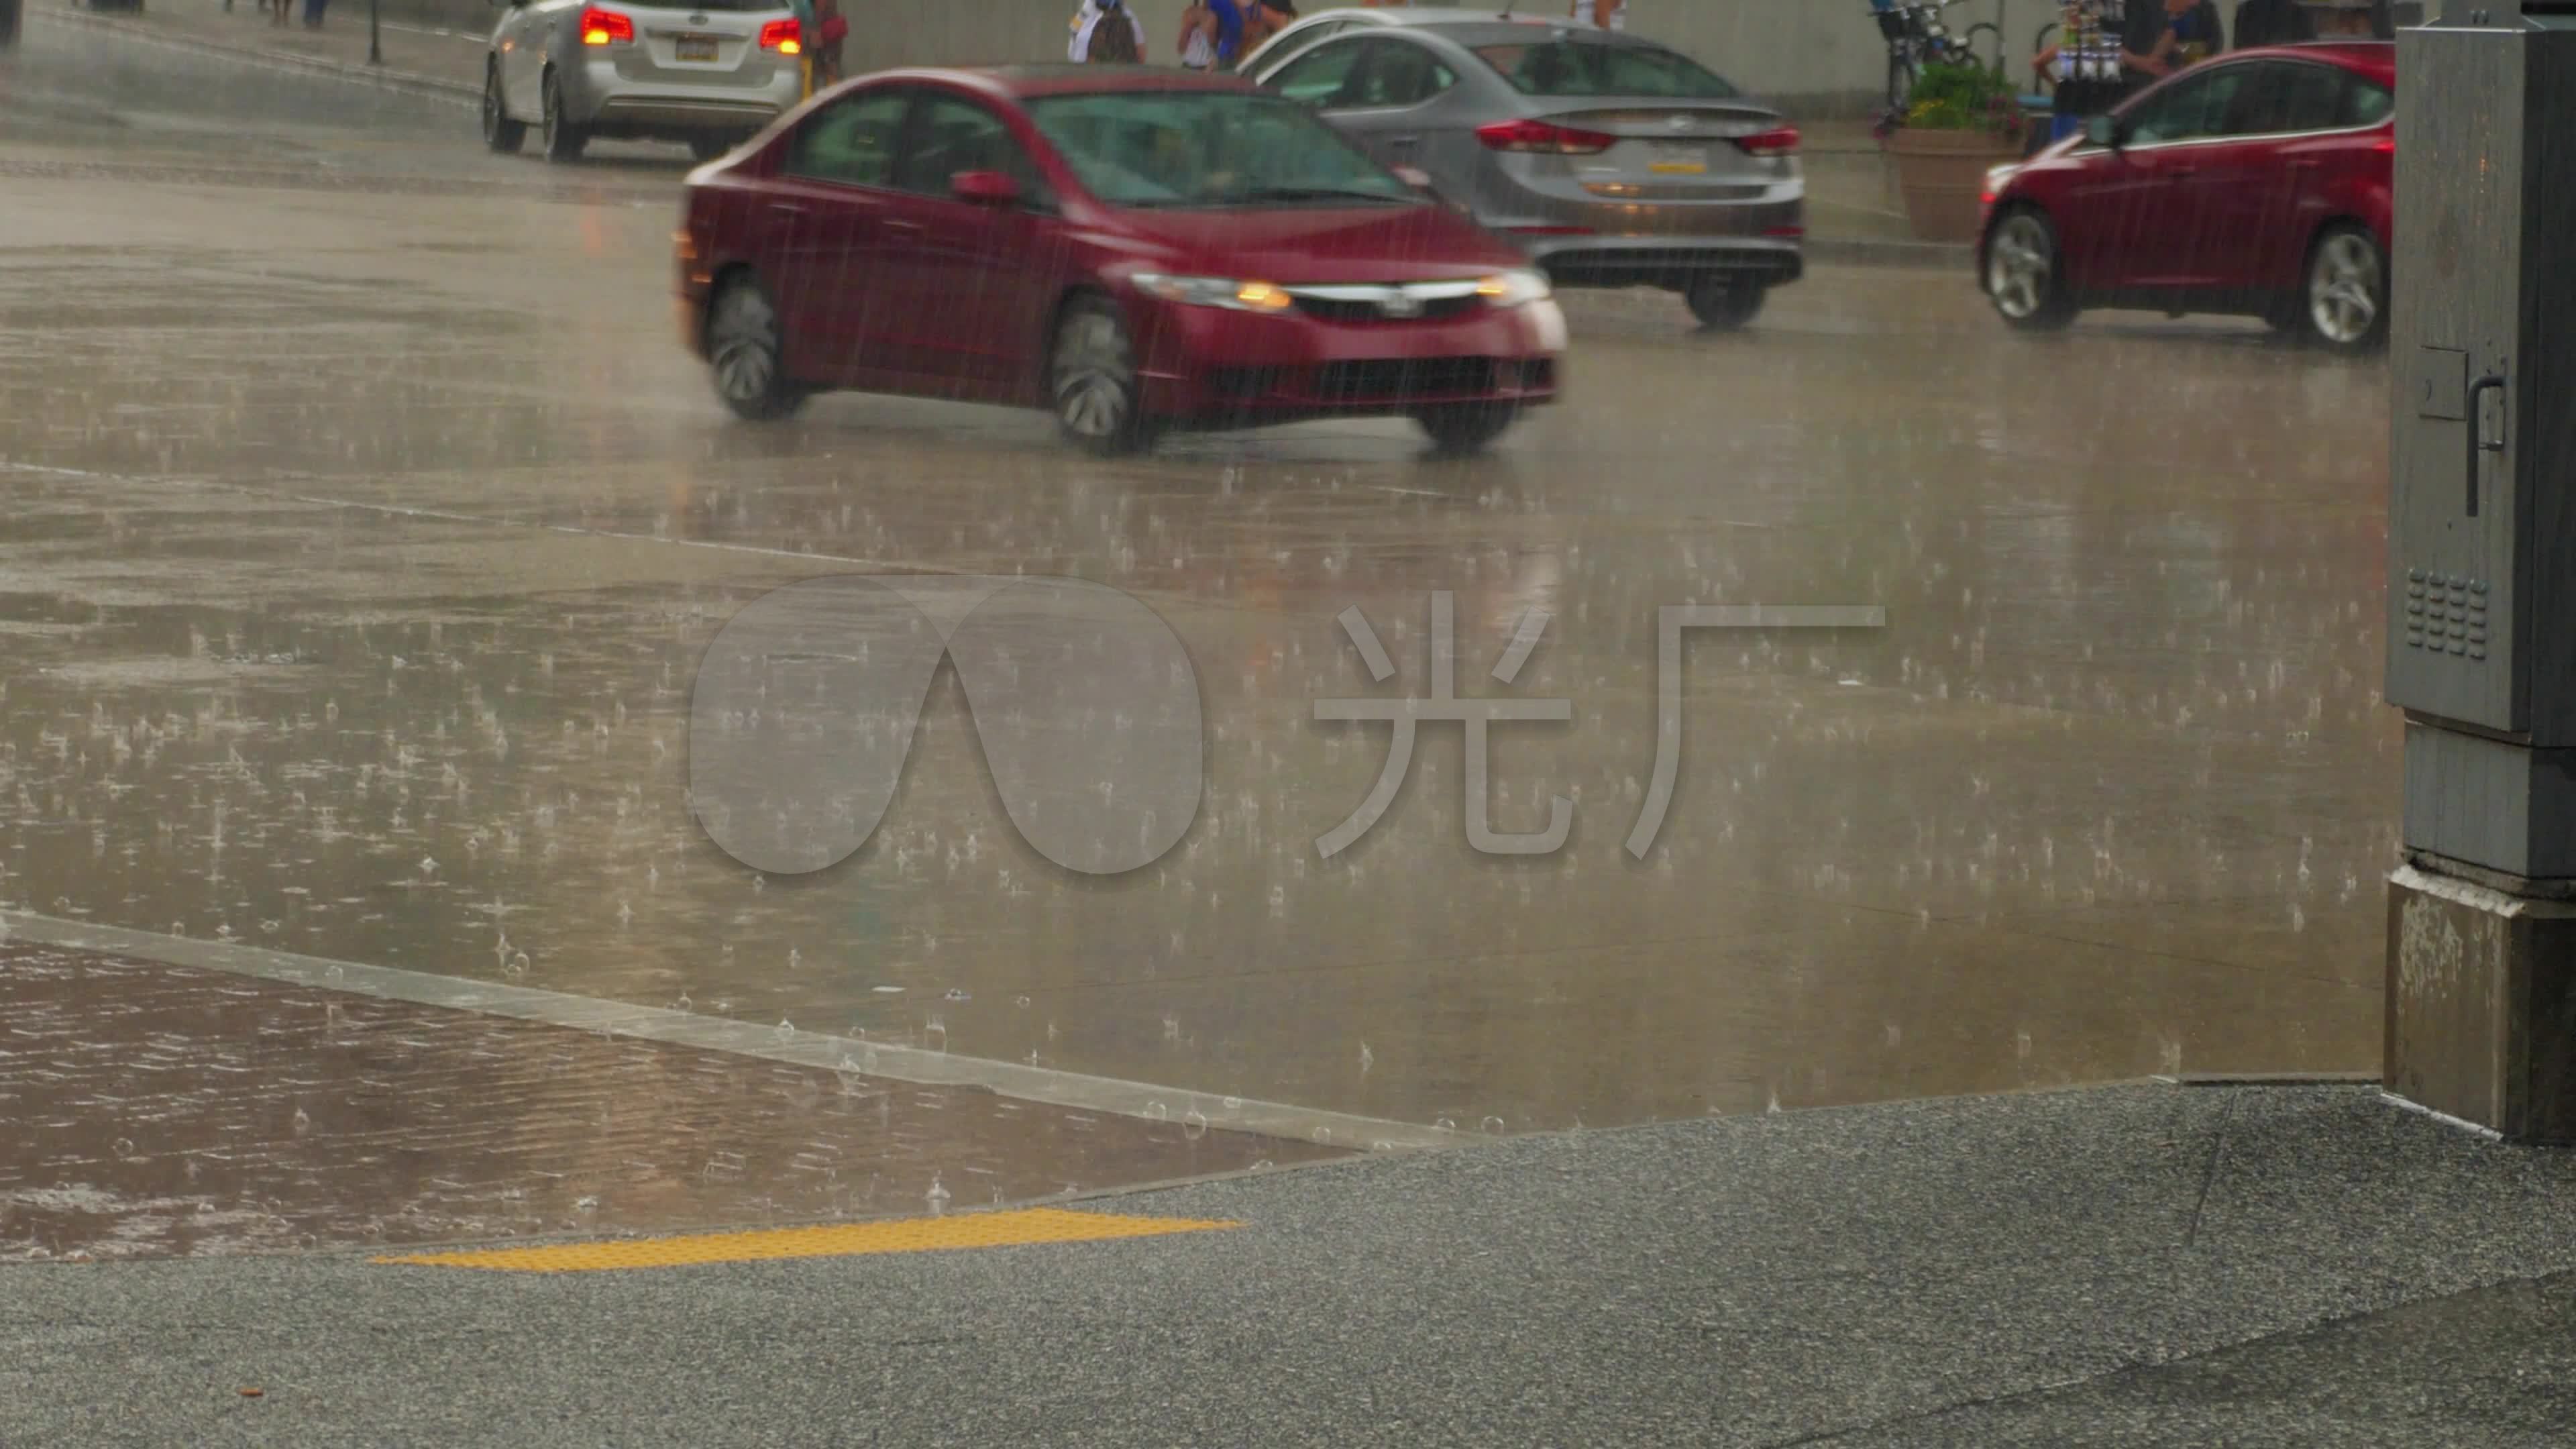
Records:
x=1208, y=149
x=1592, y=68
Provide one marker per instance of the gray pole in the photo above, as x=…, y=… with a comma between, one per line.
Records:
x=2481, y=1008
x=375, y=34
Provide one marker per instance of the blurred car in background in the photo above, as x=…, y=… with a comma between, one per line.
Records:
x=710, y=75
x=1132, y=249
x=1325, y=24
x=2256, y=184
x=1611, y=160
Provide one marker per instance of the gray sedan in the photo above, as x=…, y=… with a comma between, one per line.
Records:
x=1611, y=160
x=711, y=74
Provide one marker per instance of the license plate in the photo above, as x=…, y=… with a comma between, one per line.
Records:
x=1673, y=160
x=695, y=47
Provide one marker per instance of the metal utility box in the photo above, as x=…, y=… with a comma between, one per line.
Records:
x=2482, y=617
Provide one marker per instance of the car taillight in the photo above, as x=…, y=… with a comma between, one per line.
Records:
x=781, y=36
x=606, y=27
x=1778, y=141
x=1542, y=137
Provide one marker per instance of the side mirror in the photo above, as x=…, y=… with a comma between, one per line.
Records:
x=2103, y=131
x=985, y=188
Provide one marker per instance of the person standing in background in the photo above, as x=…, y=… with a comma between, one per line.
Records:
x=1197, y=41
x=1263, y=19
x=1108, y=33
x=2164, y=38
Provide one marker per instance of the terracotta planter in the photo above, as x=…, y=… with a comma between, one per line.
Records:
x=1943, y=175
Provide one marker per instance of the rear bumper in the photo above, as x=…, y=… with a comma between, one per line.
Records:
x=598, y=97
x=1204, y=365
x=1672, y=262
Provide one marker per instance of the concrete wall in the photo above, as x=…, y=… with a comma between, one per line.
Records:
x=1820, y=57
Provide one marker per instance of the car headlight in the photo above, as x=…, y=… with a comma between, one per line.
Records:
x=1230, y=292
x=1514, y=289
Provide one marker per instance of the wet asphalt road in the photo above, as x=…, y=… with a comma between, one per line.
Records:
x=364, y=524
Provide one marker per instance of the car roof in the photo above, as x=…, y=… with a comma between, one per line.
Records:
x=2374, y=58
x=1430, y=15
x=1063, y=77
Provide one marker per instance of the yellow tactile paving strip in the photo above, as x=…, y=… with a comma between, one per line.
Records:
x=909, y=1235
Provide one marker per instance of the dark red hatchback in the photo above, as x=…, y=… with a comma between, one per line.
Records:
x=1131, y=249
x=2255, y=184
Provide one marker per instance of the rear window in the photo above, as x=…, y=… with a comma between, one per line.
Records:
x=1592, y=68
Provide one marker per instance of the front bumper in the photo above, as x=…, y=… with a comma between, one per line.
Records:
x=1208, y=365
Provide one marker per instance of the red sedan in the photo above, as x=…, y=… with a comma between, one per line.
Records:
x=2255, y=184
x=1133, y=250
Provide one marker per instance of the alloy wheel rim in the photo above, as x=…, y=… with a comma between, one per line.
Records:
x=2017, y=268
x=2343, y=289
x=743, y=340
x=1090, y=378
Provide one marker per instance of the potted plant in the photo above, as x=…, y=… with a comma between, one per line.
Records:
x=1960, y=119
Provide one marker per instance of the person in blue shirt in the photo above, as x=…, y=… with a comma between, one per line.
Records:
x=1229, y=31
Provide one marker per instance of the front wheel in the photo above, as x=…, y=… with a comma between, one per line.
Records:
x=1091, y=374
x=1724, y=304
x=2024, y=277
x=746, y=349
x=1462, y=428
x=563, y=137
x=500, y=133
x=2347, y=290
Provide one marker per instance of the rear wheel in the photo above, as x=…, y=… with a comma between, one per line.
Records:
x=746, y=350
x=500, y=133
x=563, y=138
x=1467, y=427
x=1723, y=304
x=2347, y=289
x=2024, y=279
x=1091, y=374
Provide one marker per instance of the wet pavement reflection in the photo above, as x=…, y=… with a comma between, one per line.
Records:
x=164, y=1110
x=352, y=594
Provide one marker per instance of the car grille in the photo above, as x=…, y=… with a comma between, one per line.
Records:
x=1388, y=378
x=1327, y=309
x=1383, y=381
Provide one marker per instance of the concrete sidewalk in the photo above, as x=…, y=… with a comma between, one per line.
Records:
x=2139, y=1265
x=1854, y=212
x=418, y=59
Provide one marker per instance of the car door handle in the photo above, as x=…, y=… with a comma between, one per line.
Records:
x=1404, y=142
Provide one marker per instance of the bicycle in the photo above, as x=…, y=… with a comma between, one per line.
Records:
x=1916, y=37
